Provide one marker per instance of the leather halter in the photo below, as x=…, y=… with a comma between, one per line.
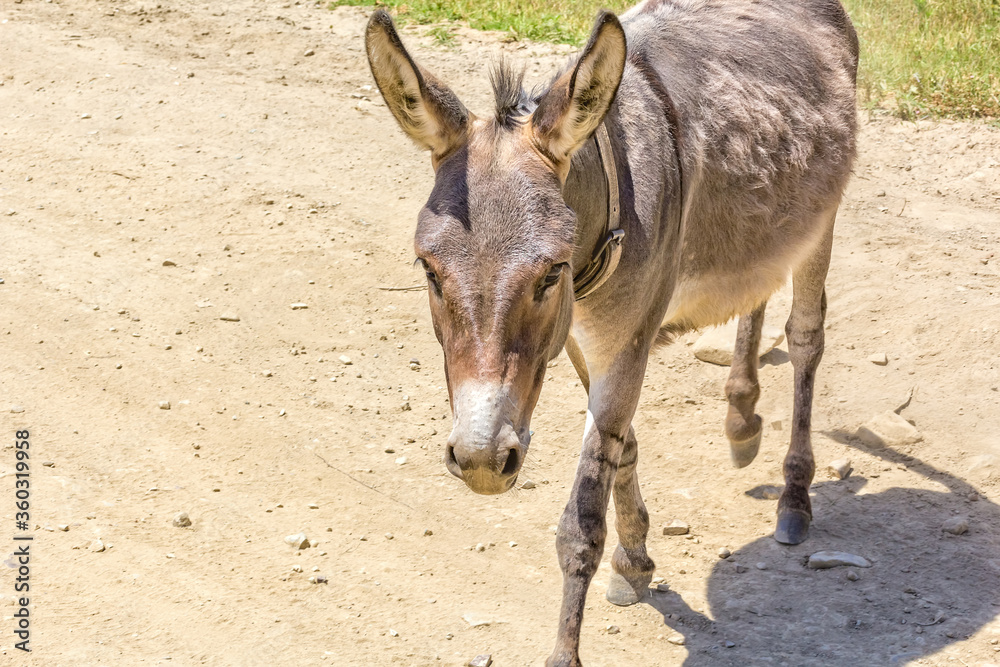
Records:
x=609, y=251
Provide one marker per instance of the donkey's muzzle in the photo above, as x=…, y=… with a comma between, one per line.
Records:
x=489, y=467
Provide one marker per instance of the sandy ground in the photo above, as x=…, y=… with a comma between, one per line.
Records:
x=200, y=134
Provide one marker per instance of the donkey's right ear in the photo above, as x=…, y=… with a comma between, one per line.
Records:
x=425, y=108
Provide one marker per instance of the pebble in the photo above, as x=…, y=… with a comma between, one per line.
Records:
x=676, y=527
x=428, y=532
x=677, y=639
x=480, y=547
x=16, y=409
x=182, y=520
x=49, y=464
x=401, y=461
x=311, y=52
x=717, y=345
x=528, y=484
x=484, y=660
x=888, y=430
x=388, y=536
x=64, y=527
x=164, y=405
x=392, y=633
x=822, y=560
x=852, y=575
x=613, y=630
x=956, y=525
x=268, y=374
x=879, y=359
x=299, y=306
x=169, y=262
x=663, y=588
x=344, y=359
x=761, y=566
x=730, y=644
x=298, y=540
x=97, y=546
x=725, y=553
x=840, y=469
x=230, y=317
x=313, y=506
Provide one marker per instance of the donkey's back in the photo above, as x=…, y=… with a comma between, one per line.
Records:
x=764, y=91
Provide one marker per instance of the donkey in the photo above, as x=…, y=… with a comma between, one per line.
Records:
x=672, y=177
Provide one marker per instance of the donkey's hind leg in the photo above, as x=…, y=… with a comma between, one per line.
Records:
x=743, y=427
x=804, y=331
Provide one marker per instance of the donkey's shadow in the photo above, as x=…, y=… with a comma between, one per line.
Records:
x=926, y=588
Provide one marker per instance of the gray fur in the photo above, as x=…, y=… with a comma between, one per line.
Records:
x=733, y=128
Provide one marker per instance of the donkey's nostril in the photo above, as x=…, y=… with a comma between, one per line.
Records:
x=511, y=466
x=449, y=455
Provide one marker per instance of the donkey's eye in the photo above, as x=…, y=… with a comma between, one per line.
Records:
x=431, y=276
x=552, y=277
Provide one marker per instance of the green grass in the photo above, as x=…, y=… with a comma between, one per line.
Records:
x=929, y=57
x=919, y=58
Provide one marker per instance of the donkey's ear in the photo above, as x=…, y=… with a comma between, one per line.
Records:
x=426, y=109
x=576, y=103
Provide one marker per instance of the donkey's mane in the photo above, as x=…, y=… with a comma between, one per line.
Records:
x=513, y=102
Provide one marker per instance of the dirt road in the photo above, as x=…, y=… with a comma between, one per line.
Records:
x=168, y=168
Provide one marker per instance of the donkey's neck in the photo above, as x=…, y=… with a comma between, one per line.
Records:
x=586, y=192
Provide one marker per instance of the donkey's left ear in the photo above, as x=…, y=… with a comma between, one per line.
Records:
x=576, y=103
x=425, y=108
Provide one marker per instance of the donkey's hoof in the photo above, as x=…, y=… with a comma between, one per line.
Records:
x=745, y=451
x=623, y=593
x=793, y=527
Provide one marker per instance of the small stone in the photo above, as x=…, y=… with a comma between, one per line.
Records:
x=164, y=405
x=740, y=569
x=879, y=359
x=230, y=317
x=298, y=540
x=405, y=407
x=724, y=553
x=677, y=639
x=97, y=546
x=299, y=306
x=309, y=52
x=49, y=464
x=822, y=560
x=428, y=532
x=663, y=588
x=528, y=484
x=730, y=644
x=956, y=525
x=393, y=633
x=718, y=344
x=676, y=527
x=16, y=409
x=268, y=374
x=344, y=359
x=839, y=469
x=320, y=579
x=613, y=630
x=484, y=660
x=64, y=527
x=390, y=450
x=169, y=262
x=313, y=506
x=888, y=430
x=182, y=520
x=761, y=566
x=400, y=461
x=480, y=547
x=880, y=193
x=388, y=536
x=852, y=575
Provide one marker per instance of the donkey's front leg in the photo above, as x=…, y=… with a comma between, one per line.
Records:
x=582, y=529
x=633, y=568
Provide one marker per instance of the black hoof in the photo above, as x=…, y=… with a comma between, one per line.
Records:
x=793, y=527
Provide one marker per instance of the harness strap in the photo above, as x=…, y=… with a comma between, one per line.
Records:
x=609, y=251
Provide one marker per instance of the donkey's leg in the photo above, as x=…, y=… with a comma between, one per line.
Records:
x=583, y=528
x=633, y=568
x=743, y=427
x=804, y=331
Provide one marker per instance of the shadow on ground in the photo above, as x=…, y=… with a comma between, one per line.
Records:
x=926, y=589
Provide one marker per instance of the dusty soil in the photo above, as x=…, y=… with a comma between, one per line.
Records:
x=201, y=134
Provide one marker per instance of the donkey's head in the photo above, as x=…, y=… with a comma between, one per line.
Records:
x=496, y=237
